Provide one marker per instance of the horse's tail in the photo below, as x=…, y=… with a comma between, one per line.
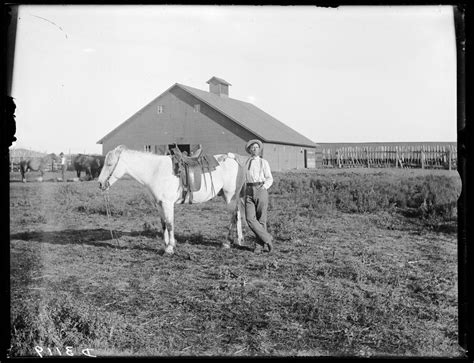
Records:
x=240, y=179
x=240, y=189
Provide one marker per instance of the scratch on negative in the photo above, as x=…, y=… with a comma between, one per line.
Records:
x=49, y=21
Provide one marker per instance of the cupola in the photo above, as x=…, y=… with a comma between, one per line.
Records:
x=219, y=87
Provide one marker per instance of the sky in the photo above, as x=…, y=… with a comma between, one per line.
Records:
x=347, y=74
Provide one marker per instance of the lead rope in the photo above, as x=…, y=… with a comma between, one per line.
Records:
x=107, y=208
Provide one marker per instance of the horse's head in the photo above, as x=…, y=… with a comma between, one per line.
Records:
x=113, y=169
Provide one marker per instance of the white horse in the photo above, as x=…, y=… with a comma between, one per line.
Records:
x=155, y=172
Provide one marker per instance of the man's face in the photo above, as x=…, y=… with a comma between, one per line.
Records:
x=254, y=149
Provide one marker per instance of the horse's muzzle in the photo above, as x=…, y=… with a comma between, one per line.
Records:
x=104, y=186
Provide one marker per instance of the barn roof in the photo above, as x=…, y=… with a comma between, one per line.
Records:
x=261, y=124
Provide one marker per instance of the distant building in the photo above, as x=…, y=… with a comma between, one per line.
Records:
x=190, y=117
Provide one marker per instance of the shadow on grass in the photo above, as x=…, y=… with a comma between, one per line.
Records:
x=101, y=237
x=214, y=242
x=243, y=248
x=94, y=237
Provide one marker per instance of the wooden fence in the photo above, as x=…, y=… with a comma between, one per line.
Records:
x=53, y=166
x=415, y=156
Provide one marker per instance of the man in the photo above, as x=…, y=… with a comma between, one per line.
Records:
x=63, y=165
x=258, y=180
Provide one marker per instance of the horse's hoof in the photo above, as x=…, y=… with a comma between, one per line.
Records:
x=269, y=245
x=238, y=242
x=169, y=251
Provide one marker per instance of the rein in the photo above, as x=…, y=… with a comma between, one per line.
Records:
x=109, y=213
x=107, y=200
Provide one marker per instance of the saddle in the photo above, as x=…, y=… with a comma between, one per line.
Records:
x=190, y=170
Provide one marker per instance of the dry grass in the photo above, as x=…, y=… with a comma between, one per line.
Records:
x=341, y=282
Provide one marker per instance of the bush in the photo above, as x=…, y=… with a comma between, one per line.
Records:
x=428, y=196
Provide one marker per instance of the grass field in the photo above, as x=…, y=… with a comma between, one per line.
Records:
x=365, y=264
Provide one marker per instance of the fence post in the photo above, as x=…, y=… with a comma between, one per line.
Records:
x=449, y=158
x=384, y=156
x=422, y=156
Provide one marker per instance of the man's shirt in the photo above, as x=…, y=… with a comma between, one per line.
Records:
x=258, y=170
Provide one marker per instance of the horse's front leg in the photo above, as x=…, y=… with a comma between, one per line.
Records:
x=168, y=227
x=166, y=237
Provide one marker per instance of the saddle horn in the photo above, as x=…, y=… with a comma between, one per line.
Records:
x=176, y=150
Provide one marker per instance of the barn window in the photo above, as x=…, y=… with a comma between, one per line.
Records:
x=159, y=109
x=147, y=148
x=197, y=108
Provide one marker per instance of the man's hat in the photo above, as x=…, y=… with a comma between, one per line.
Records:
x=251, y=142
x=61, y=153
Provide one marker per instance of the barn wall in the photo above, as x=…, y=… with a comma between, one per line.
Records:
x=181, y=124
x=284, y=157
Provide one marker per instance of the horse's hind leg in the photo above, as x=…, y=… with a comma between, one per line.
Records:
x=235, y=222
x=240, y=235
x=168, y=230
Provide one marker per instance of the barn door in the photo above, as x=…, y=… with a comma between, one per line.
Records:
x=310, y=158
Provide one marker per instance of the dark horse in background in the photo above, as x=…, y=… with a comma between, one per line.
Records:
x=90, y=164
x=37, y=164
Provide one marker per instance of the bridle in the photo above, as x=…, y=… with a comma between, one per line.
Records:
x=106, y=181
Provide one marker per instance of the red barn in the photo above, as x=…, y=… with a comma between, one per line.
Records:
x=191, y=117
